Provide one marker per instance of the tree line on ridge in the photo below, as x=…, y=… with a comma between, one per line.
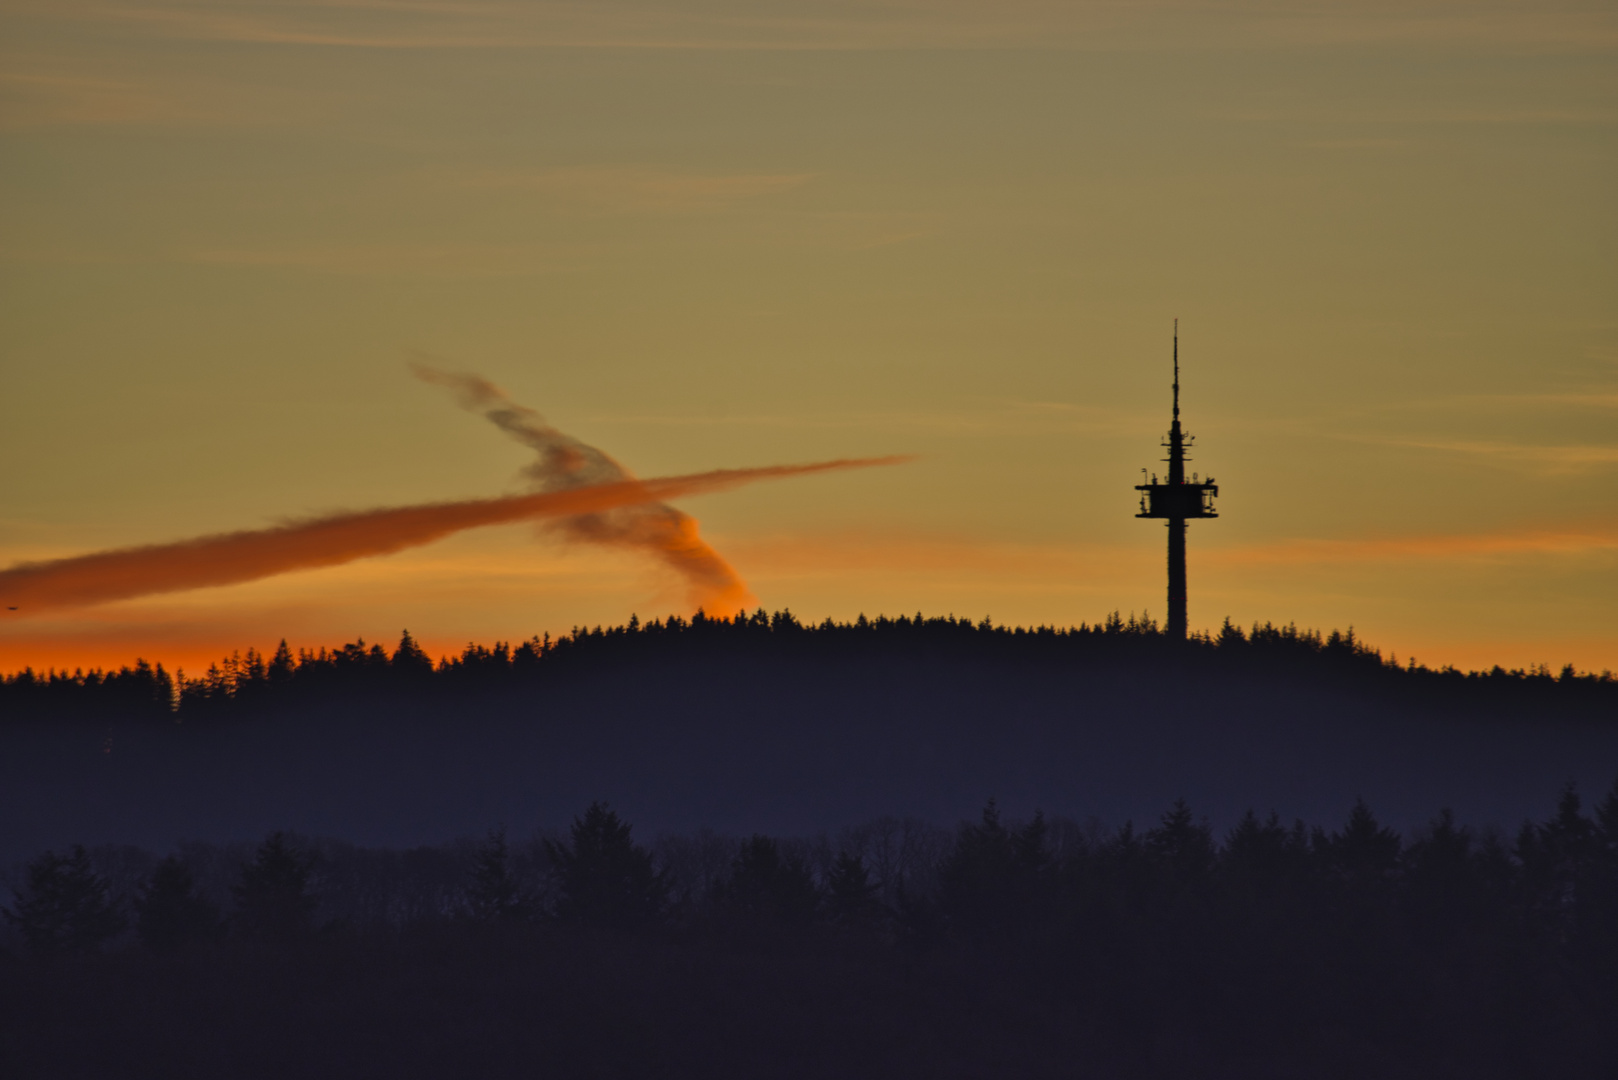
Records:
x=244, y=683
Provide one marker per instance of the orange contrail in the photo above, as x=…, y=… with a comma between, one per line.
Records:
x=565, y=462
x=230, y=558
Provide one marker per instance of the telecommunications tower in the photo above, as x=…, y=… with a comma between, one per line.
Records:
x=1178, y=500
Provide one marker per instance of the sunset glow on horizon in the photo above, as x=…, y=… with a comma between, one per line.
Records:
x=697, y=236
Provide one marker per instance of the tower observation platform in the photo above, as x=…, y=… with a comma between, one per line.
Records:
x=1177, y=500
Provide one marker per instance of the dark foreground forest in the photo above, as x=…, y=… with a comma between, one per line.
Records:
x=1037, y=948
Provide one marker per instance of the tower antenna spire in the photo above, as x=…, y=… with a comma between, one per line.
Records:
x=1176, y=369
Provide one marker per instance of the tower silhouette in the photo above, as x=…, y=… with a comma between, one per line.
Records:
x=1178, y=500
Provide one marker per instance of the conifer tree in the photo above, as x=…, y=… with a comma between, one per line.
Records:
x=1364, y=852
x=767, y=884
x=281, y=664
x=993, y=877
x=1606, y=821
x=494, y=894
x=64, y=906
x=410, y=657
x=169, y=912
x=273, y=899
x=1181, y=845
x=603, y=877
x=850, y=892
x=1263, y=853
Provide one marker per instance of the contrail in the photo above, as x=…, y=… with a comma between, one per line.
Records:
x=230, y=558
x=565, y=464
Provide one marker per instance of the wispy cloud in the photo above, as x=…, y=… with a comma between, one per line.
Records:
x=1573, y=399
x=1543, y=422
x=849, y=25
x=1351, y=145
x=1408, y=115
x=988, y=418
x=1571, y=458
x=57, y=51
x=634, y=189
x=42, y=99
x=960, y=566
x=420, y=260
x=475, y=260
x=1013, y=564
x=1555, y=542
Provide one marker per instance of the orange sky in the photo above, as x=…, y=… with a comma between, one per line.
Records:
x=712, y=235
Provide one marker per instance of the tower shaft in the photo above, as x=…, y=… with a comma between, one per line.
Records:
x=1177, y=617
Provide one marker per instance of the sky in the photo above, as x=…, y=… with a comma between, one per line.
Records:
x=705, y=235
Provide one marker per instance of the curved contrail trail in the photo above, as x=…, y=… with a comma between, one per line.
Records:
x=230, y=558
x=564, y=462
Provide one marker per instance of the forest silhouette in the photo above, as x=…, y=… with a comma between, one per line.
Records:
x=245, y=683
x=886, y=944
x=1000, y=948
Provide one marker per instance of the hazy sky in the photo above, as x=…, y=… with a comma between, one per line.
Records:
x=719, y=234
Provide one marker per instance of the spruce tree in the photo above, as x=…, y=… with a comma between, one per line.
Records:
x=1181, y=845
x=494, y=894
x=603, y=877
x=64, y=906
x=410, y=658
x=170, y=913
x=282, y=665
x=765, y=883
x=273, y=899
x=994, y=877
x=1365, y=853
x=850, y=892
